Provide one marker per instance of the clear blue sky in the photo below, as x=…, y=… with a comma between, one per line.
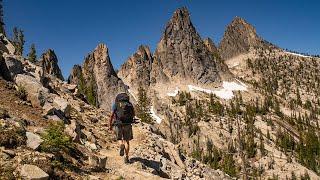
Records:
x=73, y=28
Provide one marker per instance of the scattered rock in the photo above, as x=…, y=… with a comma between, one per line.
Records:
x=11, y=153
x=63, y=105
x=4, y=114
x=98, y=161
x=91, y=145
x=36, y=93
x=33, y=172
x=33, y=140
x=10, y=67
x=12, y=134
x=54, y=118
x=74, y=130
x=5, y=45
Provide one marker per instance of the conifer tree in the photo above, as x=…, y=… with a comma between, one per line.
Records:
x=32, y=56
x=18, y=40
x=143, y=107
x=262, y=150
x=2, y=30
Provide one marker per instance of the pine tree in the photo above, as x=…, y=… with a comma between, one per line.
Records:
x=229, y=165
x=18, y=40
x=299, y=102
x=143, y=107
x=2, y=30
x=268, y=135
x=293, y=175
x=262, y=150
x=32, y=56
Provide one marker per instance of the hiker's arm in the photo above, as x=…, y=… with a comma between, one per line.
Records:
x=111, y=120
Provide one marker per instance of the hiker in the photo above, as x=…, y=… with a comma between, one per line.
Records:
x=123, y=113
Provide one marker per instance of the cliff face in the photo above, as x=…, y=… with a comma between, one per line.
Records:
x=97, y=79
x=238, y=38
x=135, y=72
x=182, y=55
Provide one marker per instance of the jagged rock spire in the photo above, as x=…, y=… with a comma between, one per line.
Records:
x=98, y=80
x=238, y=38
x=135, y=72
x=181, y=54
x=49, y=64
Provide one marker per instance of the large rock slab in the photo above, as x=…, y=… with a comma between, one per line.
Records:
x=10, y=66
x=33, y=172
x=33, y=140
x=98, y=161
x=74, y=130
x=62, y=105
x=37, y=94
x=5, y=45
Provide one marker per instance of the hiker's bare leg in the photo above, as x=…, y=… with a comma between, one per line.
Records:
x=127, y=148
x=121, y=142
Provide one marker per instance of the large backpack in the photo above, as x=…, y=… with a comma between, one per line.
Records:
x=124, y=108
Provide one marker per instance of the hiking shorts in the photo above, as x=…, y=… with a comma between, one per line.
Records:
x=123, y=132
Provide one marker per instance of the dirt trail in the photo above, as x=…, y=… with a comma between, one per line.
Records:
x=115, y=163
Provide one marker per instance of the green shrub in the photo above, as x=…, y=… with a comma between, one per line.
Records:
x=54, y=138
x=21, y=92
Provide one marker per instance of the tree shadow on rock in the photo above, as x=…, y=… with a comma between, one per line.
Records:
x=156, y=165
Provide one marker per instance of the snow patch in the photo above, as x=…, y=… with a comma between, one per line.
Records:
x=296, y=54
x=224, y=94
x=227, y=89
x=234, y=86
x=173, y=94
x=154, y=115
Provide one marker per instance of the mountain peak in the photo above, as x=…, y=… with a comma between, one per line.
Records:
x=238, y=19
x=181, y=13
x=238, y=38
x=182, y=54
x=179, y=21
x=102, y=46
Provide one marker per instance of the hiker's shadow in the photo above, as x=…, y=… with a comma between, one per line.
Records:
x=156, y=165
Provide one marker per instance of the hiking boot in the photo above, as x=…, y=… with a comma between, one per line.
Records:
x=126, y=160
x=121, y=149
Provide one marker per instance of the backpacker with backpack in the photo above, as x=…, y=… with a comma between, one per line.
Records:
x=124, y=109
